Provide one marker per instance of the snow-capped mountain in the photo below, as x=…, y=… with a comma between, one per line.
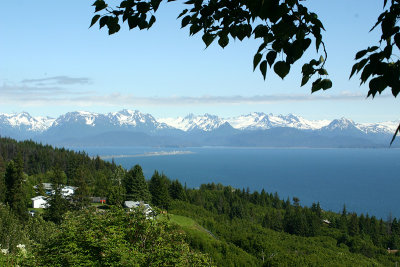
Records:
x=128, y=127
x=24, y=121
x=258, y=120
x=340, y=124
x=80, y=118
x=191, y=122
x=82, y=123
x=129, y=119
x=388, y=127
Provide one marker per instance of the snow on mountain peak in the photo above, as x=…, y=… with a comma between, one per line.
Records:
x=340, y=124
x=259, y=120
x=88, y=118
x=130, y=119
x=25, y=120
x=206, y=122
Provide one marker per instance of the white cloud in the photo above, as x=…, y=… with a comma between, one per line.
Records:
x=62, y=80
x=38, y=94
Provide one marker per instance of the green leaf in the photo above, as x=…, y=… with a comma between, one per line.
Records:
x=260, y=31
x=360, y=54
x=133, y=22
x=361, y=64
x=208, y=38
x=281, y=68
x=306, y=43
x=256, y=60
x=94, y=20
x=305, y=80
x=182, y=13
x=326, y=84
x=353, y=70
x=377, y=84
x=395, y=134
x=322, y=72
x=100, y=5
x=316, y=85
x=195, y=28
x=366, y=73
x=262, y=47
x=271, y=56
x=263, y=68
x=313, y=62
x=185, y=21
x=155, y=4
x=113, y=25
x=152, y=20
x=223, y=41
x=103, y=21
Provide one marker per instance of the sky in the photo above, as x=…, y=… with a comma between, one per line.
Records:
x=52, y=63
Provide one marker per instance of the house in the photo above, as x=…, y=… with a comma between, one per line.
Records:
x=39, y=202
x=326, y=221
x=66, y=190
x=147, y=210
x=101, y=200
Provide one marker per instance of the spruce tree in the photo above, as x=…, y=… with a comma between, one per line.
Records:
x=14, y=187
x=2, y=181
x=176, y=191
x=57, y=204
x=81, y=195
x=158, y=187
x=135, y=185
x=40, y=188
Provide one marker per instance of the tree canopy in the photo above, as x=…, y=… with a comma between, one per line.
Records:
x=286, y=29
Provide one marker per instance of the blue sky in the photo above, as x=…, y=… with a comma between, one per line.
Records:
x=51, y=63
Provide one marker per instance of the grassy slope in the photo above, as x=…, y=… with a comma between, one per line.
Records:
x=278, y=248
x=221, y=252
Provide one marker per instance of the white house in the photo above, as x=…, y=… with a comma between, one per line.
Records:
x=67, y=191
x=147, y=210
x=39, y=202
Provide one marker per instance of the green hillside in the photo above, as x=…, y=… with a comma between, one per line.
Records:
x=213, y=225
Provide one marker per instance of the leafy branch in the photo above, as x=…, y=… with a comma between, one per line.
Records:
x=285, y=28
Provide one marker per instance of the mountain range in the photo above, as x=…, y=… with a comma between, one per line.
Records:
x=133, y=128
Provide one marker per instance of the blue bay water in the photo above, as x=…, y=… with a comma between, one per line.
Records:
x=366, y=180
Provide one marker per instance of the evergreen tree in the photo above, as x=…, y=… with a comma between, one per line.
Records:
x=81, y=195
x=40, y=191
x=2, y=181
x=116, y=195
x=135, y=185
x=14, y=187
x=176, y=191
x=57, y=203
x=158, y=187
x=101, y=184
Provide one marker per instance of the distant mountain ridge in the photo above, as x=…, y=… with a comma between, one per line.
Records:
x=134, y=127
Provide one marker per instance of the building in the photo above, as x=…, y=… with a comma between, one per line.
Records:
x=101, y=200
x=147, y=210
x=66, y=190
x=39, y=202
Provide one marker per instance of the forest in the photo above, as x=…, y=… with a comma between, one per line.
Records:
x=214, y=225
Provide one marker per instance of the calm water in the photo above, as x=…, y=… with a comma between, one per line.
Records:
x=366, y=180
